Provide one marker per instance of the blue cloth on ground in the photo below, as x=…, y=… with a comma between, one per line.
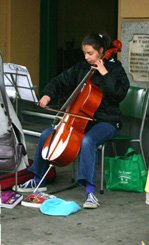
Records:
x=59, y=207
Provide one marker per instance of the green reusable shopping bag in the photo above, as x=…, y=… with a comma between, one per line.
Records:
x=126, y=173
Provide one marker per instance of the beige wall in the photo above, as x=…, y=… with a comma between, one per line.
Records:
x=132, y=9
x=19, y=34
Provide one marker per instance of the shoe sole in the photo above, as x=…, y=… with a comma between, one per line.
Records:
x=40, y=189
x=90, y=205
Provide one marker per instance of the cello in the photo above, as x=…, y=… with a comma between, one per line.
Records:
x=63, y=144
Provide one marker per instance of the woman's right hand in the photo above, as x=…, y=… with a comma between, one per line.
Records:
x=44, y=101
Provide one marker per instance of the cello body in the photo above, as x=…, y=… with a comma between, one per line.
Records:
x=69, y=132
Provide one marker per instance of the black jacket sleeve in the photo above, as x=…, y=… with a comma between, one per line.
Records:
x=115, y=83
x=64, y=83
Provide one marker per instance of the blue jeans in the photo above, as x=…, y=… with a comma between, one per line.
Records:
x=40, y=166
x=96, y=136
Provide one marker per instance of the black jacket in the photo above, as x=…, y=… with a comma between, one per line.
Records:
x=114, y=86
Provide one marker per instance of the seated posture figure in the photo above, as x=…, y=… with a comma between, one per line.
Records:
x=112, y=80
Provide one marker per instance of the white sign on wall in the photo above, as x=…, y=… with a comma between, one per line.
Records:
x=139, y=57
x=135, y=51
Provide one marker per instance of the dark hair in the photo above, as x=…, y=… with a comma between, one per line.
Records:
x=97, y=41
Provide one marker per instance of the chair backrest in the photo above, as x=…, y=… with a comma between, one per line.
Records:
x=134, y=108
x=135, y=103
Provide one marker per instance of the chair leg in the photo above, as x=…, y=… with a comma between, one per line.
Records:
x=73, y=171
x=102, y=170
x=16, y=181
x=142, y=152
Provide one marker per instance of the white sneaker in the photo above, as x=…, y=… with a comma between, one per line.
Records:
x=91, y=201
x=29, y=186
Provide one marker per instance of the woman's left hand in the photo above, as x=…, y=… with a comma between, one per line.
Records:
x=99, y=66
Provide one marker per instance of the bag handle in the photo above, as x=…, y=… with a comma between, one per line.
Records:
x=130, y=152
x=2, y=89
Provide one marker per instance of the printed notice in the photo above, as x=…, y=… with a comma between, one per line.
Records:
x=139, y=57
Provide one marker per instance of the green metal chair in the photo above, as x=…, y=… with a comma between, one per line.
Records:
x=134, y=108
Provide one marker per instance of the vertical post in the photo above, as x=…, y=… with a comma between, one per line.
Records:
x=48, y=41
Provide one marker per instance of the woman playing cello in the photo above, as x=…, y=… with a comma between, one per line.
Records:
x=112, y=80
